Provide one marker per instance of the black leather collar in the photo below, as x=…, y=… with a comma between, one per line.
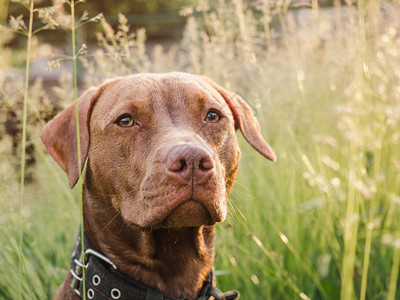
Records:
x=104, y=281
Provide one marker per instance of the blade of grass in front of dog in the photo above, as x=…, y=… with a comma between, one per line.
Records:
x=23, y=147
x=394, y=274
x=78, y=142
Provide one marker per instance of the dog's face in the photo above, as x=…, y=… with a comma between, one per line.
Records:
x=171, y=151
x=162, y=148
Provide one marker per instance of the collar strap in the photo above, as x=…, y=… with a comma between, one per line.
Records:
x=104, y=281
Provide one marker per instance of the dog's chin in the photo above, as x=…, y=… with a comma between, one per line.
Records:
x=189, y=214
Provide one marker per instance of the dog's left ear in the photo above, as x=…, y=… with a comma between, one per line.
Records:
x=245, y=120
x=59, y=135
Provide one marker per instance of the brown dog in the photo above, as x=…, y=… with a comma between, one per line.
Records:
x=162, y=157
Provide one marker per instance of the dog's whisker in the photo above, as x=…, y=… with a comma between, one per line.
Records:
x=121, y=194
x=109, y=223
x=122, y=226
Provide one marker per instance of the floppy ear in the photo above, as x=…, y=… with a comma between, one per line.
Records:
x=245, y=121
x=59, y=135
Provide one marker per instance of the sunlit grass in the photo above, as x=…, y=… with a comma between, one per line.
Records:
x=321, y=223
x=29, y=34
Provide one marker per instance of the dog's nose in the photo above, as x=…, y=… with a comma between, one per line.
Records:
x=189, y=162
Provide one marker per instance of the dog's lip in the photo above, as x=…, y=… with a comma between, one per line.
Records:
x=188, y=213
x=188, y=202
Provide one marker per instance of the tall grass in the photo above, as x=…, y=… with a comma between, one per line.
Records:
x=23, y=143
x=20, y=28
x=321, y=223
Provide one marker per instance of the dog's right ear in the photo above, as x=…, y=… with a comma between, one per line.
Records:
x=244, y=120
x=59, y=135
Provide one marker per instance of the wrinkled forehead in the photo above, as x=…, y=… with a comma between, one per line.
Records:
x=155, y=92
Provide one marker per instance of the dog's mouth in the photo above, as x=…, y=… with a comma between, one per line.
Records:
x=189, y=213
x=164, y=203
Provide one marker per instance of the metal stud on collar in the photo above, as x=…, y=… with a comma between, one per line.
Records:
x=96, y=280
x=115, y=293
x=90, y=294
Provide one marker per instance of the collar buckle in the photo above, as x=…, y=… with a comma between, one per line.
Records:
x=83, y=264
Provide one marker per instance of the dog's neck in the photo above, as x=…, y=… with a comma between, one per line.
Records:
x=174, y=261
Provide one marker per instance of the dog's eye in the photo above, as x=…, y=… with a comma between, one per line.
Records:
x=125, y=121
x=212, y=116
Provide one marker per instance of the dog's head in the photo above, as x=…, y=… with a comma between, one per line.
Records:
x=161, y=147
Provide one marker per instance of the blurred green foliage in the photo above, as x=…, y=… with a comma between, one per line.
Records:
x=160, y=18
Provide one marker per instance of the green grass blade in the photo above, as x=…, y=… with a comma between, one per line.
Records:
x=23, y=147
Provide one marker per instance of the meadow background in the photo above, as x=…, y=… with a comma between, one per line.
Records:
x=321, y=223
